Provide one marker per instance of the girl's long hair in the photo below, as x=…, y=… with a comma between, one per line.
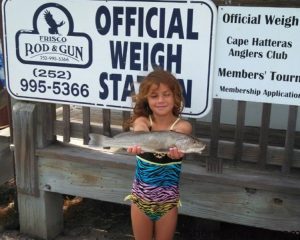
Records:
x=156, y=77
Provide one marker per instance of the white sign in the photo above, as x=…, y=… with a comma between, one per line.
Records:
x=95, y=53
x=257, y=55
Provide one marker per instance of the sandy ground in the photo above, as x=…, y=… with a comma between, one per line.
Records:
x=87, y=219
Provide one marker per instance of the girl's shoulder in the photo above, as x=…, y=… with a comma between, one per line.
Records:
x=183, y=126
x=141, y=124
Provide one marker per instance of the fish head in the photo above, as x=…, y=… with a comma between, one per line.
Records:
x=190, y=144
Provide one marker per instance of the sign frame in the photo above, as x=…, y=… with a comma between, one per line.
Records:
x=257, y=50
x=52, y=60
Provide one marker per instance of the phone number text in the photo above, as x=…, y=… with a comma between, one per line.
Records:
x=56, y=87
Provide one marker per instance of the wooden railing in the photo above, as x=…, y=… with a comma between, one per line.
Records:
x=247, y=175
x=237, y=144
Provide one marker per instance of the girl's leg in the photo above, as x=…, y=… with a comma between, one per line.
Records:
x=142, y=226
x=166, y=226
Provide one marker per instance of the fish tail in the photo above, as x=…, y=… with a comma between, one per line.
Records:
x=97, y=140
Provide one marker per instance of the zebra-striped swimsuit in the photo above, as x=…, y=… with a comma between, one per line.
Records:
x=155, y=188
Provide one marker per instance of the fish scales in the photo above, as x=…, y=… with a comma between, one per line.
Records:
x=155, y=141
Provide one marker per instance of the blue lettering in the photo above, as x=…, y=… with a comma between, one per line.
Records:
x=118, y=54
x=151, y=32
x=129, y=19
x=104, y=93
x=140, y=55
x=174, y=58
x=189, y=31
x=103, y=11
x=134, y=55
x=118, y=21
x=116, y=78
x=141, y=22
x=135, y=20
x=162, y=23
x=146, y=59
x=128, y=88
x=186, y=92
x=158, y=47
x=175, y=25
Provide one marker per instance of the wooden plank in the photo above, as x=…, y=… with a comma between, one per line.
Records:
x=77, y=129
x=101, y=182
x=290, y=139
x=24, y=124
x=126, y=118
x=251, y=133
x=240, y=205
x=214, y=163
x=51, y=115
x=255, y=200
x=86, y=124
x=201, y=128
x=225, y=148
x=237, y=176
x=275, y=155
x=40, y=213
x=67, y=125
x=41, y=217
x=96, y=115
x=264, y=134
x=87, y=155
x=45, y=124
x=106, y=122
x=239, y=131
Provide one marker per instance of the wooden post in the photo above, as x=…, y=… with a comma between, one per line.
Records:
x=41, y=213
x=67, y=123
x=107, y=122
x=214, y=163
x=239, y=131
x=290, y=140
x=264, y=135
x=86, y=124
x=126, y=117
x=41, y=216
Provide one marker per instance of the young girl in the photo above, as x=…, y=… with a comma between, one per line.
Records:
x=155, y=193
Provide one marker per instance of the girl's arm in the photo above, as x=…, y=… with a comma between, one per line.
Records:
x=185, y=127
x=140, y=124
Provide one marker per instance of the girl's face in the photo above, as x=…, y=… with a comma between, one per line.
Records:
x=160, y=99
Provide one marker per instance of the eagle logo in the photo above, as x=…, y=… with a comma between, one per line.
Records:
x=53, y=26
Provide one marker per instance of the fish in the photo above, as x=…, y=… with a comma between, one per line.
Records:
x=155, y=141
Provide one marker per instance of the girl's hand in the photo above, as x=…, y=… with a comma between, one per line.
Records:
x=174, y=153
x=135, y=150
